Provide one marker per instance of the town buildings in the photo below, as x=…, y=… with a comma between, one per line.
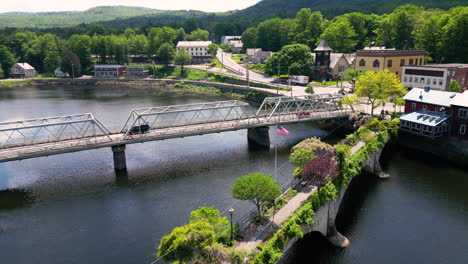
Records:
x=109, y=71
x=226, y=39
x=22, y=70
x=433, y=113
x=136, y=71
x=257, y=55
x=198, y=50
x=435, y=76
x=381, y=58
x=236, y=45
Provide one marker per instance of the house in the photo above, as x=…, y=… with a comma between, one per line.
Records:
x=381, y=58
x=459, y=107
x=339, y=64
x=236, y=45
x=109, y=71
x=198, y=50
x=136, y=71
x=429, y=112
x=60, y=74
x=257, y=55
x=226, y=39
x=22, y=70
x=435, y=76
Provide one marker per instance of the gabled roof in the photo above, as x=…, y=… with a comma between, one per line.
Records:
x=323, y=46
x=25, y=66
x=194, y=43
x=461, y=99
x=425, y=118
x=431, y=96
x=251, y=52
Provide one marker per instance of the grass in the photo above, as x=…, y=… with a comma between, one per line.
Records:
x=237, y=57
x=172, y=72
x=215, y=63
x=327, y=83
x=257, y=67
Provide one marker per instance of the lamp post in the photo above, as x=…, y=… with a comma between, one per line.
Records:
x=73, y=72
x=231, y=212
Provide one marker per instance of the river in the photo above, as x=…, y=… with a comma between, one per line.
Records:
x=77, y=211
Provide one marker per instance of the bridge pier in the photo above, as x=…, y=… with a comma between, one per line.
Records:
x=258, y=137
x=373, y=165
x=120, y=162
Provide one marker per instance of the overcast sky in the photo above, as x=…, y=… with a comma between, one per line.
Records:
x=80, y=5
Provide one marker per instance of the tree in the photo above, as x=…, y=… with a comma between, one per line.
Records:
x=6, y=61
x=320, y=170
x=198, y=34
x=212, y=216
x=249, y=38
x=378, y=87
x=307, y=150
x=186, y=243
x=351, y=76
x=181, y=57
x=351, y=100
x=81, y=46
x=455, y=39
x=70, y=63
x=256, y=188
x=166, y=53
x=295, y=59
x=225, y=47
x=213, y=50
x=341, y=36
x=454, y=86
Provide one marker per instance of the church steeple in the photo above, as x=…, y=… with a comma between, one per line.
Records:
x=322, y=60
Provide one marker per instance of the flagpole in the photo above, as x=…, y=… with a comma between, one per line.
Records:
x=276, y=159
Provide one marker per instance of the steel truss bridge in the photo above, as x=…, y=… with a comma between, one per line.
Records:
x=56, y=135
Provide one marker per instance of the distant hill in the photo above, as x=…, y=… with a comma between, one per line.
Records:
x=72, y=18
x=282, y=8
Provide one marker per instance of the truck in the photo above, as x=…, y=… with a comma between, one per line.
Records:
x=300, y=79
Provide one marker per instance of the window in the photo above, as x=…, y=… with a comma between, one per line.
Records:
x=389, y=63
x=440, y=81
x=422, y=80
x=437, y=109
x=376, y=64
x=411, y=79
x=425, y=107
x=416, y=79
x=463, y=113
x=428, y=81
x=411, y=61
x=402, y=62
x=416, y=62
x=420, y=62
x=434, y=81
x=405, y=79
x=362, y=63
x=462, y=129
x=413, y=106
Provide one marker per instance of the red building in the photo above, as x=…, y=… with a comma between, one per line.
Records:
x=428, y=100
x=460, y=116
x=109, y=71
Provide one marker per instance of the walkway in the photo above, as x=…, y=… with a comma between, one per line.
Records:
x=275, y=221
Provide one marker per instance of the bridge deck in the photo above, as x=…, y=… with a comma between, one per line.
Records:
x=80, y=144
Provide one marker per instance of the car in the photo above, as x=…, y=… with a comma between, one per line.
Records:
x=302, y=113
x=139, y=129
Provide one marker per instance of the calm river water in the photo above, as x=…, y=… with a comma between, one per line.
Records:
x=77, y=211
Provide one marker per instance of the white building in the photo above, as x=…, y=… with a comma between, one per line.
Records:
x=59, y=73
x=236, y=45
x=425, y=76
x=226, y=39
x=22, y=70
x=198, y=50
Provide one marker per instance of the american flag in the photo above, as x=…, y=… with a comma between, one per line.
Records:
x=281, y=130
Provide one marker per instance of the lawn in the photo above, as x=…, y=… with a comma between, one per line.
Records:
x=173, y=72
x=327, y=83
x=257, y=67
x=237, y=58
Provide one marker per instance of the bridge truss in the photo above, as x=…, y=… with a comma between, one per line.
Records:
x=188, y=115
x=275, y=107
x=52, y=132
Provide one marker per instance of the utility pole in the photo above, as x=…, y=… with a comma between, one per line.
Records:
x=73, y=72
x=247, y=73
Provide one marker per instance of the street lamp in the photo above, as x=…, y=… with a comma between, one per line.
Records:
x=231, y=212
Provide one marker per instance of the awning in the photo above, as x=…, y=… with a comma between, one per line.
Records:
x=425, y=118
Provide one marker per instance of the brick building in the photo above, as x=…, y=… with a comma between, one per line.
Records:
x=460, y=116
x=435, y=76
x=109, y=71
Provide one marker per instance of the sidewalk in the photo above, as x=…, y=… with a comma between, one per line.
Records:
x=253, y=240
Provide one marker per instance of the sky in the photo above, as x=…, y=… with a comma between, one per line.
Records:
x=80, y=5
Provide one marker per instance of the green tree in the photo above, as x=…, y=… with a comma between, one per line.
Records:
x=428, y=33
x=181, y=57
x=213, y=217
x=213, y=50
x=138, y=44
x=295, y=59
x=249, y=38
x=225, y=47
x=454, y=86
x=351, y=76
x=198, y=34
x=186, y=243
x=6, y=61
x=81, y=46
x=256, y=188
x=455, y=39
x=351, y=101
x=70, y=63
x=166, y=53
x=341, y=36
x=378, y=87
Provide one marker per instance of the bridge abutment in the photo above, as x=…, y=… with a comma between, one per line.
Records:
x=258, y=137
x=373, y=165
x=120, y=162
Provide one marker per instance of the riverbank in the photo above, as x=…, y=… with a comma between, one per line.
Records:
x=449, y=149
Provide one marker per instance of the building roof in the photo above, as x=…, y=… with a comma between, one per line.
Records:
x=323, y=46
x=461, y=99
x=193, y=44
x=351, y=57
x=425, y=118
x=373, y=51
x=378, y=48
x=236, y=43
x=430, y=96
x=107, y=66
x=251, y=52
x=446, y=65
x=25, y=66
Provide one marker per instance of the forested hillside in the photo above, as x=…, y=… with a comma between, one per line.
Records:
x=71, y=18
